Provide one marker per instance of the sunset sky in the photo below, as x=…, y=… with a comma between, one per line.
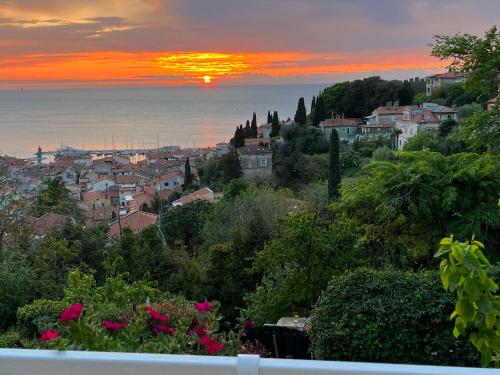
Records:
x=175, y=42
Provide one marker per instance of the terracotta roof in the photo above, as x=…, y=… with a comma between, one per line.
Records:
x=255, y=150
x=492, y=100
x=339, y=122
x=450, y=74
x=46, y=223
x=425, y=116
x=204, y=194
x=394, y=110
x=127, y=179
x=136, y=220
x=257, y=141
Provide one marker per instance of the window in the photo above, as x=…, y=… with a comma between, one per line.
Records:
x=165, y=184
x=263, y=162
x=449, y=116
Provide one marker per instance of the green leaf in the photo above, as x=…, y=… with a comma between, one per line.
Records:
x=456, y=332
x=490, y=320
x=473, y=288
x=470, y=262
x=442, y=250
x=465, y=309
x=485, y=305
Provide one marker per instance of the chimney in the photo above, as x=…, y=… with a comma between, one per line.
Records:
x=388, y=105
x=396, y=103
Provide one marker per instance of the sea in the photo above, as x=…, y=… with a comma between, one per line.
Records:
x=137, y=118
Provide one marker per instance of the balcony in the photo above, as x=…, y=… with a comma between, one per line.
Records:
x=47, y=362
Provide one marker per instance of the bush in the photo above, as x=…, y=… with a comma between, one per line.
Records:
x=9, y=339
x=39, y=316
x=422, y=141
x=387, y=316
x=349, y=159
x=383, y=154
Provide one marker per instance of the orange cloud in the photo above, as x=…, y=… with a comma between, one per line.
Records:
x=176, y=68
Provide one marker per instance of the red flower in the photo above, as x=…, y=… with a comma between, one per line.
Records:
x=71, y=313
x=156, y=315
x=203, y=306
x=165, y=329
x=114, y=327
x=248, y=324
x=49, y=335
x=200, y=331
x=211, y=346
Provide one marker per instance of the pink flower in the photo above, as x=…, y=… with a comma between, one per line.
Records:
x=211, y=346
x=114, y=327
x=248, y=324
x=49, y=335
x=203, y=306
x=71, y=313
x=200, y=331
x=156, y=315
x=165, y=329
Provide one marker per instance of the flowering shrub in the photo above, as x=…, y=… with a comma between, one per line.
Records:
x=110, y=318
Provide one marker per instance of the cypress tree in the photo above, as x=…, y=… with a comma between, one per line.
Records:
x=247, y=131
x=319, y=111
x=269, y=117
x=253, y=127
x=313, y=103
x=241, y=137
x=188, y=177
x=300, y=114
x=275, y=125
x=334, y=165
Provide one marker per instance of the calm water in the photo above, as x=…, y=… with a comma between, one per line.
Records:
x=125, y=117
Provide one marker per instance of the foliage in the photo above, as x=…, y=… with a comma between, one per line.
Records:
x=446, y=127
x=253, y=126
x=464, y=271
x=334, y=165
x=420, y=97
x=135, y=318
x=301, y=114
x=16, y=289
x=478, y=58
x=481, y=131
x=383, y=154
x=9, y=339
x=221, y=170
x=406, y=94
x=38, y=316
x=366, y=147
x=182, y=225
x=349, y=159
x=467, y=110
x=275, y=125
x=54, y=198
x=319, y=113
x=423, y=141
x=188, y=177
x=404, y=208
x=387, y=316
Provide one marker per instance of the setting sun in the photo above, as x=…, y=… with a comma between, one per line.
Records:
x=207, y=79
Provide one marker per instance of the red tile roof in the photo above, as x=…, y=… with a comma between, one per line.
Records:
x=339, y=122
x=450, y=74
x=136, y=220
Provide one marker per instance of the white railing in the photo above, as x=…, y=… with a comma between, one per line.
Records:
x=47, y=362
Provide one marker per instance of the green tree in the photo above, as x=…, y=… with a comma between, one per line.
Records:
x=319, y=112
x=423, y=141
x=182, y=226
x=275, y=125
x=419, y=98
x=17, y=283
x=481, y=131
x=188, y=177
x=334, y=165
x=247, y=131
x=253, y=127
x=478, y=58
x=313, y=103
x=301, y=114
x=54, y=198
x=446, y=127
x=406, y=94
x=269, y=117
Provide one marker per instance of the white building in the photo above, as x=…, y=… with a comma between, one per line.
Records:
x=438, y=81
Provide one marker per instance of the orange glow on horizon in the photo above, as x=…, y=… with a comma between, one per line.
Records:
x=186, y=68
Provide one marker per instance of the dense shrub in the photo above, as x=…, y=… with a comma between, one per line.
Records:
x=39, y=316
x=387, y=316
x=349, y=159
x=383, y=154
x=9, y=339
